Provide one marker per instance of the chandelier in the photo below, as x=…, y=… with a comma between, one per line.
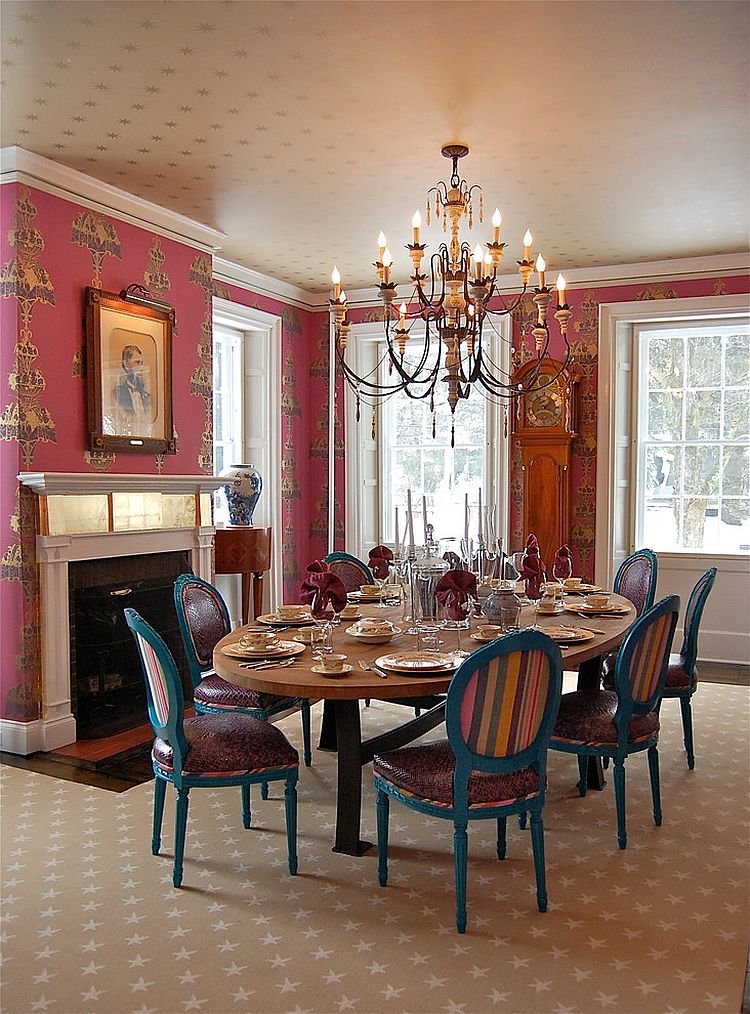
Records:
x=455, y=301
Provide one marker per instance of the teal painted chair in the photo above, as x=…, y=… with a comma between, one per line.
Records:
x=682, y=674
x=208, y=751
x=204, y=619
x=636, y=580
x=353, y=572
x=500, y=711
x=616, y=723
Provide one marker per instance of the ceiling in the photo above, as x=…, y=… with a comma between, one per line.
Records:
x=617, y=131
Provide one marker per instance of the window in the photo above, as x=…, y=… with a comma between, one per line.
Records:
x=693, y=437
x=400, y=453
x=227, y=387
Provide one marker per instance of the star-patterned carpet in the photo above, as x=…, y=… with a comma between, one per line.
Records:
x=90, y=922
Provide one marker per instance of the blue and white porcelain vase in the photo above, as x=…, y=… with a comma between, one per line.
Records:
x=242, y=492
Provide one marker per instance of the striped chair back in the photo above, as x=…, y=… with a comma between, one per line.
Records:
x=503, y=701
x=692, y=619
x=156, y=682
x=636, y=579
x=204, y=619
x=643, y=657
x=503, y=704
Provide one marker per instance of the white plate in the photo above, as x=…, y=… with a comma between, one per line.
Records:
x=345, y=668
x=568, y=635
x=484, y=638
x=284, y=650
x=379, y=638
x=272, y=620
x=418, y=662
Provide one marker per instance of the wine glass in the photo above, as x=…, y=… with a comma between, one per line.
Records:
x=562, y=569
x=534, y=588
x=380, y=581
x=323, y=615
x=456, y=614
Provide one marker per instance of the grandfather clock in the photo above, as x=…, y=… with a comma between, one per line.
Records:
x=545, y=423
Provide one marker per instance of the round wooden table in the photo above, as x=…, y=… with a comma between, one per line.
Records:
x=341, y=727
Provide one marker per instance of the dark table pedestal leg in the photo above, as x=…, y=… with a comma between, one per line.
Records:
x=589, y=678
x=328, y=728
x=349, y=788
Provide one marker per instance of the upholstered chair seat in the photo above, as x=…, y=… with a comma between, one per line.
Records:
x=588, y=716
x=677, y=678
x=426, y=772
x=214, y=692
x=230, y=744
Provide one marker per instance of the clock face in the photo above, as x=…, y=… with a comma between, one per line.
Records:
x=544, y=408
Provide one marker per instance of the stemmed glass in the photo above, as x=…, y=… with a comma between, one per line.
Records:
x=534, y=588
x=456, y=614
x=562, y=569
x=323, y=615
x=381, y=582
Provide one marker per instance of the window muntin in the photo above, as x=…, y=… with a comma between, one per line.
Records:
x=227, y=402
x=693, y=492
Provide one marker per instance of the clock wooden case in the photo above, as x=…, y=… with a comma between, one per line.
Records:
x=545, y=424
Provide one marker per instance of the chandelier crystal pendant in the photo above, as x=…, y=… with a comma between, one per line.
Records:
x=455, y=297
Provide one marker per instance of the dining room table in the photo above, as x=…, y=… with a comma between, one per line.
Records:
x=343, y=693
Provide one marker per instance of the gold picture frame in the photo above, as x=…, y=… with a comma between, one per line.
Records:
x=128, y=373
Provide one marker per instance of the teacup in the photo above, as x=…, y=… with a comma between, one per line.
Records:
x=597, y=601
x=547, y=604
x=258, y=639
x=490, y=631
x=350, y=611
x=371, y=626
x=291, y=612
x=573, y=582
x=333, y=663
x=369, y=589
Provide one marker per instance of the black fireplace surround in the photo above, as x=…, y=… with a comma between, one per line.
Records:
x=108, y=694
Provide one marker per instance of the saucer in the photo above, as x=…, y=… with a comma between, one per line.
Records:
x=272, y=620
x=376, y=637
x=345, y=668
x=283, y=649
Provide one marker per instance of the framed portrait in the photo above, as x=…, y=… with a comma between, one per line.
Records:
x=129, y=374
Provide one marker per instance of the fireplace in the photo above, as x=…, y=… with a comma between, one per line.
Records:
x=107, y=690
x=109, y=520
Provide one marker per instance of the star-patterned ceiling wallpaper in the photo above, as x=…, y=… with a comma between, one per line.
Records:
x=617, y=131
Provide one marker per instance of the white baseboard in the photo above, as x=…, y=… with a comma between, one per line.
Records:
x=28, y=737
x=724, y=646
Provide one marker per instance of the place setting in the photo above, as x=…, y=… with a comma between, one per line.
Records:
x=417, y=663
x=263, y=648
x=288, y=616
x=599, y=605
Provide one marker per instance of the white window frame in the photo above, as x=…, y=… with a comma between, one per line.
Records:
x=640, y=416
x=258, y=407
x=360, y=478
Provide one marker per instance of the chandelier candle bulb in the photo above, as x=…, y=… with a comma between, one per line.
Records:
x=497, y=220
x=479, y=261
x=336, y=279
x=382, y=244
x=416, y=222
x=528, y=239
x=560, y=291
x=541, y=267
x=387, y=261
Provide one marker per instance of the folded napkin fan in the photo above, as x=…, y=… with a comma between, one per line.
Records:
x=453, y=589
x=532, y=571
x=563, y=553
x=321, y=590
x=531, y=540
x=318, y=567
x=380, y=561
x=453, y=559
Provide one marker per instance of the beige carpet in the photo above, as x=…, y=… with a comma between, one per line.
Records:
x=91, y=923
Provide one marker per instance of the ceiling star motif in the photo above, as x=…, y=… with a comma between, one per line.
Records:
x=605, y=160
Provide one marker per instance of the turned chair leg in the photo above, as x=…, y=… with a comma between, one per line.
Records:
x=160, y=788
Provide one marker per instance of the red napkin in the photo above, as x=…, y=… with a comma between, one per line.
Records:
x=318, y=567
x=331, y=589
x=453, y=589
x=453, y=559
x=563, y=553
x=381, y=559
x=532, y=571
x=531, y=540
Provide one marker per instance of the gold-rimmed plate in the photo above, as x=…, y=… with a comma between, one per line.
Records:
x=284, y=649
x=418, y=662
x=582, y=589
x=568, y=635
x=273, y=620
x=615, y=609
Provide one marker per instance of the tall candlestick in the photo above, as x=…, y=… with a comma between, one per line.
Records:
x=395, y=535
x=409, y=522
x=479, y=527
x=466, y=519
x=424, y=517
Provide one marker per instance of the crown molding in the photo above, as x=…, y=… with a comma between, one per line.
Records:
x=17, y=165
x=81, y=483
x=254, y=281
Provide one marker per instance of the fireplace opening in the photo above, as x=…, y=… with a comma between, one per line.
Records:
x=108, y=694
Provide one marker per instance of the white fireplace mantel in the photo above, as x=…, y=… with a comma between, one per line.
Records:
x=55, y=552
x=80, y=483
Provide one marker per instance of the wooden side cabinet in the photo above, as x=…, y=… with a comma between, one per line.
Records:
x=245, y=550
x=545, y=424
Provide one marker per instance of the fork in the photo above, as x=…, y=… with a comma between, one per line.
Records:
x=366, y=667
x=268, y=664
